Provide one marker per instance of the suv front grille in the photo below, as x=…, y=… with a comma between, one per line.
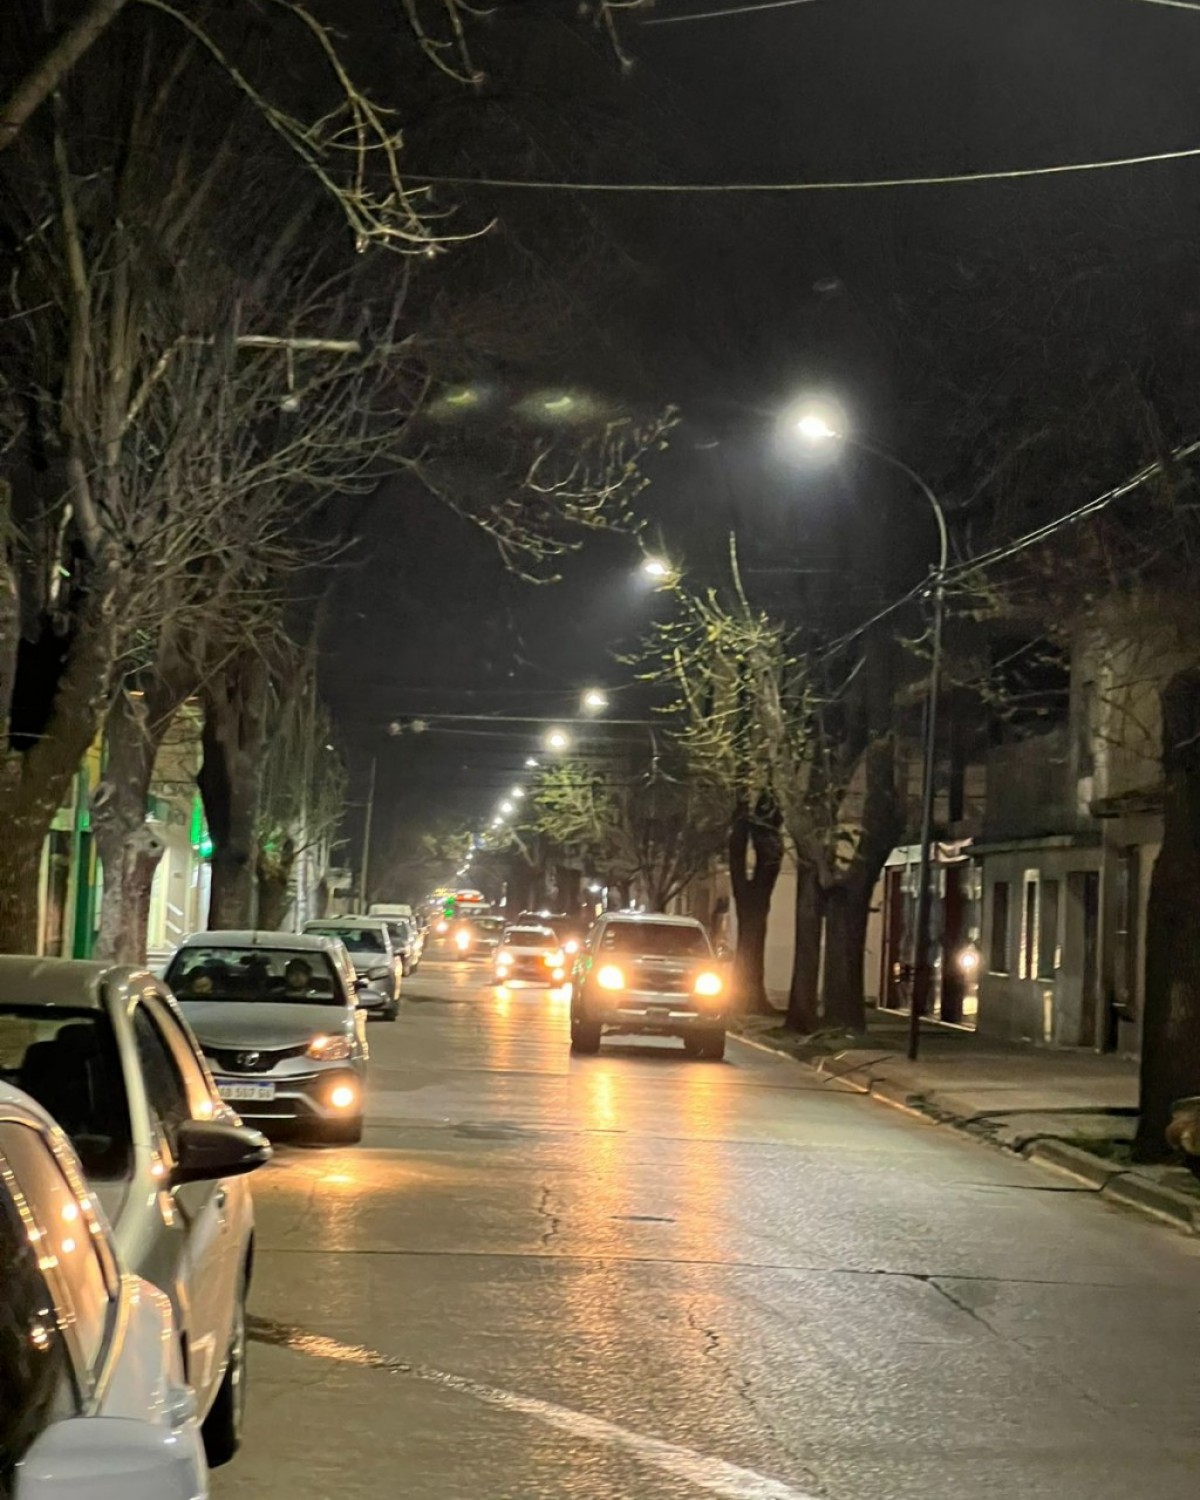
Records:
x=250, y=1059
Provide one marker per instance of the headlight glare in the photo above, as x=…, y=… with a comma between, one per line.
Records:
x=610, y=978
x=708, y=985
x=329, y=1048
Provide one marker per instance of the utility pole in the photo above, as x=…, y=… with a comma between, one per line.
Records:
x=922, y=939
x=366, y=854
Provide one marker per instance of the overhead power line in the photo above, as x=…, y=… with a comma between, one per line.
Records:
x=835, y=185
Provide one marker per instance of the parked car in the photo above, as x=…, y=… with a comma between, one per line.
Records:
x=94, y=1404
x=408, y=942
x=530, y=953
x=107, y=1052
x=372, y=952
x=281, y=1025
x=650, y=976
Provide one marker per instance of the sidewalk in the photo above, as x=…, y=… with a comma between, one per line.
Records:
x=1072, y=1110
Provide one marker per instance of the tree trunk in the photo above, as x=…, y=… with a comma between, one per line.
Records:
x=803, y=1009
x=235, y=702
x=1170, y=1066
x=129, y=851
x=756, y=832
x=275, y=888
x=847, y=910
x=25, y=832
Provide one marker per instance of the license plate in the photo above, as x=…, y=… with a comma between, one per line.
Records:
x=236, y=1092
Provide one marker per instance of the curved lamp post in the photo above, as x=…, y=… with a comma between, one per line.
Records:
x=815, y=425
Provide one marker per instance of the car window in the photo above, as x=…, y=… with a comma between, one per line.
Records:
x=656, y=939
x=183, y=1051
x=36, y=1379
x=289, y=975
x=67, y=1237
x=529, y=937
x=357, y=939
x=166, y=1092
x=68, y=1061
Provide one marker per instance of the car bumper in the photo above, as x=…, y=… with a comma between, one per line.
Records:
x=299, y=1098
x=528, y=971
x=653, y=1013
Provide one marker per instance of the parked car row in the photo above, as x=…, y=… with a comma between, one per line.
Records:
x=127, y=1112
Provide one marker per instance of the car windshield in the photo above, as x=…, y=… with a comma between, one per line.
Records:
x=357, y=939
x=264, y=974
x=68, y=1061
x=656, y=939
x=529, y=937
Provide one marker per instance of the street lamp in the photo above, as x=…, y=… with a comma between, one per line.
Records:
x=594, y=701
x=558, y=740
x=815, y=424
x=658, y=568
x=531, y=763
x=506, y=808
x=517, y=792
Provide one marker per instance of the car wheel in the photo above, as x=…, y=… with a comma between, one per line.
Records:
x=341, y=1132
x=225, y=1423
x=713, y=1046
x=585, y=1036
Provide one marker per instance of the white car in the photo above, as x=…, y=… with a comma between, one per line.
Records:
x=93, y=1400
x=107, y=1052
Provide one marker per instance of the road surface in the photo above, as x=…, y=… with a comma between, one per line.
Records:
x=638, y=1277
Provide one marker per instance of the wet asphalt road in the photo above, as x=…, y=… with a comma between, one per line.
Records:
x=638, y=1277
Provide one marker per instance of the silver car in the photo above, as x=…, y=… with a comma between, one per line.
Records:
x=282, y=1027
x=650, y=976
x=106, y=1052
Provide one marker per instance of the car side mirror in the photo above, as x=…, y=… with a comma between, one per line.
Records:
x=371, y=999
x=108, y=1458
x=361, y=984
x=208, y=1149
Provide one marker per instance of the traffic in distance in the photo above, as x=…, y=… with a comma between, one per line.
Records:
x=134, y=1109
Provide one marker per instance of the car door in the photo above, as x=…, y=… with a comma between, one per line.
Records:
x=205, y=1247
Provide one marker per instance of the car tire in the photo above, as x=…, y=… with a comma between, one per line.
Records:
x=585, y=1036
x=223, y=1427
x=713, y=1046
x=342, y=1132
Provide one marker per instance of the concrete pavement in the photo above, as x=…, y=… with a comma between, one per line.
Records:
x=641, y=1276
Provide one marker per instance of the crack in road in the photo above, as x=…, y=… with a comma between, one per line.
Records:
x=553, y=1222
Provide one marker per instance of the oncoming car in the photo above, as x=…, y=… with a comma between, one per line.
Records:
x=529, y=953
x=94, y=1404
x=281, y=1025
x=650, y=976
x=474, y=937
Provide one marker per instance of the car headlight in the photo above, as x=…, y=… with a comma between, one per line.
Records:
x=708, y=985
x=381, y=971
x=610, y=978
x=442, y=927
x=572, y=945
x=329, y=1048
x=462, y=940
x=552, y=960
x=504, y=956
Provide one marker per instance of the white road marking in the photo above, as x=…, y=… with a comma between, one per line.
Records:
x=713, y=1475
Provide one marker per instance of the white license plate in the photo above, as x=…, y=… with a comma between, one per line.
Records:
x=235, y=1092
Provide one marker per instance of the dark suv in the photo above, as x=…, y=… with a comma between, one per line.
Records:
x=650, y=976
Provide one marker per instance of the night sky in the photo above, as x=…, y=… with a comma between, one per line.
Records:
x=934, y=313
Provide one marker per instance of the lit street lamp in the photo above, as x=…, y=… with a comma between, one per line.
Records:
x=817, y=423
x=531, y=763
x=517, y=792
x=506, y=808
x=558, y=740
x=594, y=701
x=659, y=569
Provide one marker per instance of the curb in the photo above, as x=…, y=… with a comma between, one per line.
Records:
x=1112, y=1183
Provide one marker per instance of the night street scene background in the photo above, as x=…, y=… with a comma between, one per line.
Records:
x=629, y=571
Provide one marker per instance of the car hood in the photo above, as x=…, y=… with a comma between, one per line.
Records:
x=266, y=1025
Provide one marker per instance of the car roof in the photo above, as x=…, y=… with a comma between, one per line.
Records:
x=304, y=942
x=316, y=924
x=657, y=918
x=69, y=982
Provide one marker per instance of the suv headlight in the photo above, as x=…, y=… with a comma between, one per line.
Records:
x=329, y=1048
x=609, y=977
x=552, y=960
x=708, y=985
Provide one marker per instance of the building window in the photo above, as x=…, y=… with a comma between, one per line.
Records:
x=1047, y=956
x=998, y=957
x=1029, y=927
